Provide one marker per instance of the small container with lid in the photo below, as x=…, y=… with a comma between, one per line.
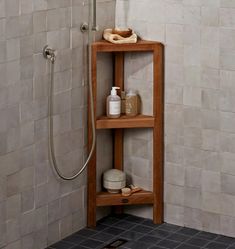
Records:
x=131, y=105
x=114, y=180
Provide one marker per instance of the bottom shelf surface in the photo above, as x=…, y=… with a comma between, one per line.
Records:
x=108, y=199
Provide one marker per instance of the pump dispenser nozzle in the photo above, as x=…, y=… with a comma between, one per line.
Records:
x=114, y=90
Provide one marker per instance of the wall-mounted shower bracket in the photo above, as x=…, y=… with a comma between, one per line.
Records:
x=85, y=27
x=49, y=53
x=95, y=28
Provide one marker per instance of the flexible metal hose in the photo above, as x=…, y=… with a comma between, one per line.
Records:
x=52, y=157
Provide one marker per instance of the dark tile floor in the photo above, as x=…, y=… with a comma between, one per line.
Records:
x=141, y=233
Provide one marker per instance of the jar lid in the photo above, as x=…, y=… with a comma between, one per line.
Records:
x=114, y=175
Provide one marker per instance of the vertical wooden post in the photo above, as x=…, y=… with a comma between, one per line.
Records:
x=91, y=173
x=158, y=133
x=118, y=133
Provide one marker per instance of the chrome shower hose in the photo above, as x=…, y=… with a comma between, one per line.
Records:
x=52, y=157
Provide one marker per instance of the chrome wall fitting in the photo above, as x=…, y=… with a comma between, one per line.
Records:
x=95, y=28
x=49, y=53
x=84, y=27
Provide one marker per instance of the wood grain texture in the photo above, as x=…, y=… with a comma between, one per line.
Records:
x=107, y=199
x=139, y=121
x=118, y=133
x=141, y=46
x=119, y=70
x=158, y=133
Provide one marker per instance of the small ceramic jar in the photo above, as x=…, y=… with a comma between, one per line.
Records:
x=114, y=180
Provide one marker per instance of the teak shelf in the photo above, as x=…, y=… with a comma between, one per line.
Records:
x=107, y=199
x=155, y=122
x=139, y=121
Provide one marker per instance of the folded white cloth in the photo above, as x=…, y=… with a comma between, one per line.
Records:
x=117, y=39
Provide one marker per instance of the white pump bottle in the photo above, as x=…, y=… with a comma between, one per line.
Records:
x=113, y=104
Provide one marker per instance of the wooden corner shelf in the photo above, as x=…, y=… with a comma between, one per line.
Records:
x=108, y=199
x=139, y=121
x=140, y=46
x=154, y=122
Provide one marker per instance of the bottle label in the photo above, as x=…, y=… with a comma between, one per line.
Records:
x=114, y=107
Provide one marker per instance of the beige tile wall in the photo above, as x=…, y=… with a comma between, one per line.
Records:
x=36, y=209
x=199, y=107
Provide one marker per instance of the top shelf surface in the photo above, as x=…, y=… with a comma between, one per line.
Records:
x=141, y=45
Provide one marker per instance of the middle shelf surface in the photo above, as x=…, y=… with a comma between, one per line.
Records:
x=139, y=121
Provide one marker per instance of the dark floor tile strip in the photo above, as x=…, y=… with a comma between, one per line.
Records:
x=141, y=233
x=90, y=243
x=62, y=245
x=168, y=244
x=216, y=245
x=75, y=239
x=186, y=246
x=86, y=232
x=169, y=227
x=149, y=239
x=197, y=241
x=207, y=235
x=113, y=230
x=157, y=247
x=80, y=247
x=131, y=235
x=160, y=233
x=123, y=224
x=188, y=231
x=103, y=237
x=225, y=240
x=135, y=219
x=178, y=237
